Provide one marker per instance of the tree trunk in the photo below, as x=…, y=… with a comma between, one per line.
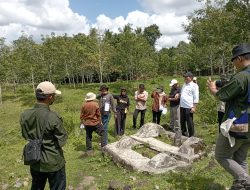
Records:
x=33, y=81
x=1, y=99
x=211, y=65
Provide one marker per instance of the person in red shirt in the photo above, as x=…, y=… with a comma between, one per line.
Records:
x=91, y=118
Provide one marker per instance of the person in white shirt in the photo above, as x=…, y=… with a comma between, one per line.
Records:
x=141, y=97
x=188, y=101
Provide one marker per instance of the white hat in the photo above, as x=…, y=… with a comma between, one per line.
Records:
x=195, y=78
x=48, y=88
x=90, y=96
x=173, y=82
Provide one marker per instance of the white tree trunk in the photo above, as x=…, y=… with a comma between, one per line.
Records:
x=1, y=99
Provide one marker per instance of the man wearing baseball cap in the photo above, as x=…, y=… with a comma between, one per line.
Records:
x=174, y=99
x=188, y=101
x=233, y=158
x=40, y=122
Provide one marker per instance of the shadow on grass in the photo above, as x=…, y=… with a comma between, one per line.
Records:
x=193, y=182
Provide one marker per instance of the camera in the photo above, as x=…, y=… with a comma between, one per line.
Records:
x=224, y=79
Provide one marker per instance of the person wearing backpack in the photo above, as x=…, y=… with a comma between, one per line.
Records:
x=232, y=149
x=41, y=123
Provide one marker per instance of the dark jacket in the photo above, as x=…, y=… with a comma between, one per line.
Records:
x=173, y=92
x=235, y=93
x=54, y=138
x=122, y=101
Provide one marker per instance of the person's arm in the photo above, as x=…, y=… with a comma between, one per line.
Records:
x=112, y=102
x=144, y=98
x=195, y=98
x=60, y=133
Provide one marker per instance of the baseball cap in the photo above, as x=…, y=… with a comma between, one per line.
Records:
x=188, y=74
x=47, y=87
x=173, y=82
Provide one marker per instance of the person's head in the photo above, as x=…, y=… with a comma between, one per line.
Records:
x=241, y=56
x=90, y=96
x=188, y=77
x=160, y=89
x=141, y=87
x=195, y=79
x=123, y=91
x=45, y=92
x=173, y=83
x=104, y=89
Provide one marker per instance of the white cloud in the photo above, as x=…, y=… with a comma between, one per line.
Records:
x=36, y=17
x=178, y=7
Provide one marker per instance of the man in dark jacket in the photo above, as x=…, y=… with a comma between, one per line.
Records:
x=233, y=156
x=40, y=122
x=122, y=109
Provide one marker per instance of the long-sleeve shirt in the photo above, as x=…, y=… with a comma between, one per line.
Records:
x=41, y=118
x=141, y=100
x=90, y=113
x=189, y=95
x=235, y=93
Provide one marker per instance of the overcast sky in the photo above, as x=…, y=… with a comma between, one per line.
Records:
x=36, y=17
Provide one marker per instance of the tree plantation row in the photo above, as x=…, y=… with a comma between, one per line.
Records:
x=130, y=54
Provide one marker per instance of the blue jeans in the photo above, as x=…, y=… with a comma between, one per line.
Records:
x=105, y=122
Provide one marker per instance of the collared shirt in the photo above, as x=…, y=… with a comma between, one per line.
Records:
x=141, y=104
x=39, y=118
x=90, y=113
x=189, y=95
x=235, y=93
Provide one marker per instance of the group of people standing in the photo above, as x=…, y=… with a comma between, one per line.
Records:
x=95, y=116
x=43, y=124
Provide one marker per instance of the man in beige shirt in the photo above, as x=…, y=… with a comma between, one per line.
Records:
x=141, y=97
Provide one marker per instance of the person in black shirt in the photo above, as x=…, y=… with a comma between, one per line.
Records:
x=174, y=99
x=122, y=109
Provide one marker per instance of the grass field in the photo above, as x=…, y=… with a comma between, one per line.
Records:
x=95, y=172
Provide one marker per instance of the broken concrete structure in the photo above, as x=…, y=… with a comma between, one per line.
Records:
x=168, y=157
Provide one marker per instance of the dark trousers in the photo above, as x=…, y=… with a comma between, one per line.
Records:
x=187, y=124
x=99, y=130
x=135, y=115
x=120, y=122
x=57, y=180
x=156, y=116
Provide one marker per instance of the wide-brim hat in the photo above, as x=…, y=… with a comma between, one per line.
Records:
x=240, y=50
x=90, y=96
x=173, y=82
x=47, y=87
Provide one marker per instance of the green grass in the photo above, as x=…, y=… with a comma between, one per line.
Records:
x=205, y=174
